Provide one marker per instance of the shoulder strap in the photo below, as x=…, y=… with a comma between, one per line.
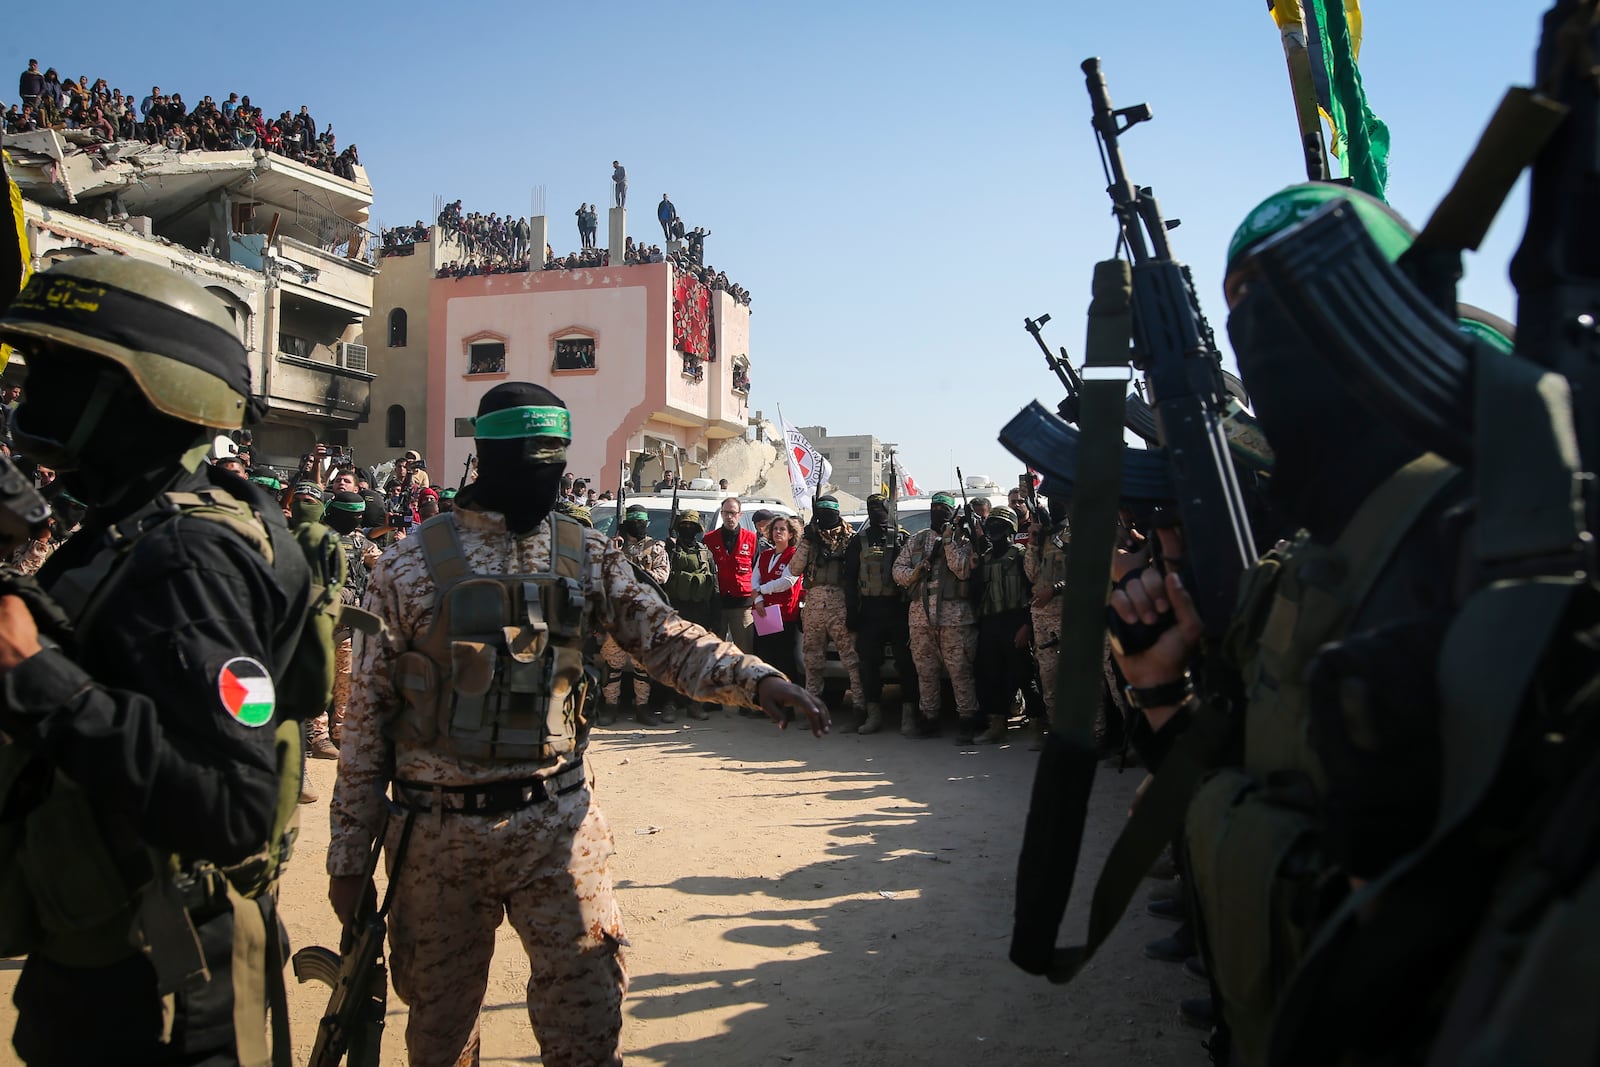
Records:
x=567, y=549
x=1385, y=519
x=441, y=551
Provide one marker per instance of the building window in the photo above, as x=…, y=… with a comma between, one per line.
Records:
x=397, y=328
x=394, y=426
x=486, y=357
x=854, y=454
x=574, y=353
x=855, y=479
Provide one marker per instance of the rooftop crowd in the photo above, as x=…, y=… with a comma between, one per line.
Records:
x=166, y=119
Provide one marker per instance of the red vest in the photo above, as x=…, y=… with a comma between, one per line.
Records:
x=733, y=568
x=768, y=566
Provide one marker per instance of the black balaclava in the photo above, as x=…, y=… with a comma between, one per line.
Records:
x=520, y=477
x=877, y=511
x=636, y=524
x=345, y=512
x=826, y=512
x=941, y=511
x=1331, y=452
x=131, y=453
x=1060, y=509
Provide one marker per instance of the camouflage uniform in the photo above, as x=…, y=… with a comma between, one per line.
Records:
x=944, y=632
x=823, y=616
x=651, y=556
x=1046, y=566
x=543, y=866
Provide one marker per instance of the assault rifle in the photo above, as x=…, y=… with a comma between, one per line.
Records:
x=1174, y=346
x=975, y=532
x=1136, y=414
x=357, y=974
x=677, y=479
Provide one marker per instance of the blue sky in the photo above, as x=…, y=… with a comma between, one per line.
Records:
x=898, y=184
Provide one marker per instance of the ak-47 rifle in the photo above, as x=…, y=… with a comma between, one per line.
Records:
x=894, y=494
x=622, y=498
x=677, y=478
x=357, y=974
x=1136, y=414
x=466, y=471
x=975, y=532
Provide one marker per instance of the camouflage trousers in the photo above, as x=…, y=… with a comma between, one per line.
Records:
x=1047, y=628
x=821, y=621
x=619, y=661
x=330, y=724
x=544, y=869
x=951, y=649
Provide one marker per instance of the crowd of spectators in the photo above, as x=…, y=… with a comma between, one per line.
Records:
x=47, y=102
x=397, y=241
x=485, y=237
x=495, y=244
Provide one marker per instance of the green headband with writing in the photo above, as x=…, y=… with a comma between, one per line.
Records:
x=511, y=423
x=636, y=513
x=831, y=505
x=349, y=507
x=944, y=498
x=270, y=483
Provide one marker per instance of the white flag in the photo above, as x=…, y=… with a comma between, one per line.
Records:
x=808, y=470
x=908, y=484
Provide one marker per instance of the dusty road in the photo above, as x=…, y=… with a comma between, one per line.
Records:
x=792, y=901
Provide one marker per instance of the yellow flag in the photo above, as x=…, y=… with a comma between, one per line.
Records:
x=14, y=258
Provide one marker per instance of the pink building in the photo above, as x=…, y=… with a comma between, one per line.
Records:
x=602, y=339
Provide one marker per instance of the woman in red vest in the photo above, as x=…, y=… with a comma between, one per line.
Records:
x=775, y=587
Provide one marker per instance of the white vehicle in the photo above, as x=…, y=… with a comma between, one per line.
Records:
x=708, y=502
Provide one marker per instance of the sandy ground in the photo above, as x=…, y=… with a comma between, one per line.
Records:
x=792, y=901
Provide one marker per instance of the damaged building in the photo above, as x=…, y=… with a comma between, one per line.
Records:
x=283, y=245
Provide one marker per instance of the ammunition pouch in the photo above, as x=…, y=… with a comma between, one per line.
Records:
x=500, y=673
x=877, y=571
x=1261, y=877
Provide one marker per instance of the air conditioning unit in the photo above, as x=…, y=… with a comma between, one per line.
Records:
x=352, y=356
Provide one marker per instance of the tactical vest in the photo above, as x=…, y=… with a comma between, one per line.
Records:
x=1052, y=561
x=824, y=569
x=1004, y=585
x=499, y=675
x=1260, y=872
x=692, y=580
x=951, y=588
x=356, y=567
x=83, y=893
x=876, y=577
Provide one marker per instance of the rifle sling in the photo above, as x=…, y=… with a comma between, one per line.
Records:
x=1065, y=775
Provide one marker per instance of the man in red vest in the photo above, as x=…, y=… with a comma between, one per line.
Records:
x=733, y=551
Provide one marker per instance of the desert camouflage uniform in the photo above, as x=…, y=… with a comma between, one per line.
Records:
x=1046, y=564
x=651, y=556
x=544, y=866
x=32, y=554
x=823, y=617
x=944, y=633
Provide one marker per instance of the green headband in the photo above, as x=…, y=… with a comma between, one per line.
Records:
x=270, y=483
x=349, y=507
x=447, y=494
x=831, y=505
x=510, y=423
x=636, y=513
x=944, y=498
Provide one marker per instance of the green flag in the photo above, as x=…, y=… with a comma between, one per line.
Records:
x=1361, y=139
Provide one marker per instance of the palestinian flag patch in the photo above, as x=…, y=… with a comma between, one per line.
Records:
x=247, y=691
